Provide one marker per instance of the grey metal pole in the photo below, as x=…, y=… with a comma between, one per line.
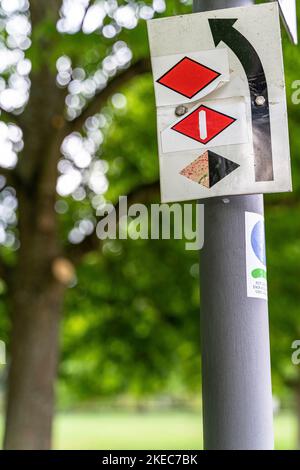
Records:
x=236, y=375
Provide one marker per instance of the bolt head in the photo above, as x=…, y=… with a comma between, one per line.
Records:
x=260, y=100
x=180, y=110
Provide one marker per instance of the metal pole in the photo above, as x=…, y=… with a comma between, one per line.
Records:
x=236, y=375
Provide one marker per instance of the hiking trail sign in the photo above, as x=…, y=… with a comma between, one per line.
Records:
x=221, y=105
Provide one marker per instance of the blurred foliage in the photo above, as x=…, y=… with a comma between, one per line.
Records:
x=131, y=322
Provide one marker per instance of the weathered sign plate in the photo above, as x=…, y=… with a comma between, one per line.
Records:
x=221, y=105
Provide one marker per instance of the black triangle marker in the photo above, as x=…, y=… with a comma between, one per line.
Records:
x=219, y=167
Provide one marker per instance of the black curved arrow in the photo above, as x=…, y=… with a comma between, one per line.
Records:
x=222, y=30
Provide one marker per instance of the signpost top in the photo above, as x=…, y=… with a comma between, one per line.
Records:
x=289, y=16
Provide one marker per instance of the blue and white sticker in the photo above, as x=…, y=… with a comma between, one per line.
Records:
x=256, y=269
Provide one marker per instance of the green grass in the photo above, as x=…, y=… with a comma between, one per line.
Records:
x=164, y=430
x=152, y=430
x=285, y=431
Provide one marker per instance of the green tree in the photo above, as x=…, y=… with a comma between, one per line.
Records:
x=81, y=54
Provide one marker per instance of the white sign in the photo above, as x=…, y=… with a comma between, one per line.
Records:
x=289, y=16
x=256, y=270
x=221, y=105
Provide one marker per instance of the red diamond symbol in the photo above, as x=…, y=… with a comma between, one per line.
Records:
x=188, y=77
x=203, y=124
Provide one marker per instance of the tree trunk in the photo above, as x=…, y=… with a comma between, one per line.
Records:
x=36, y=295
x=34, y=351
x=36, y=302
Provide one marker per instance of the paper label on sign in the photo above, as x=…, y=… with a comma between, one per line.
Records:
x=256, y=270
x=209, y=123
x=178, y=78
